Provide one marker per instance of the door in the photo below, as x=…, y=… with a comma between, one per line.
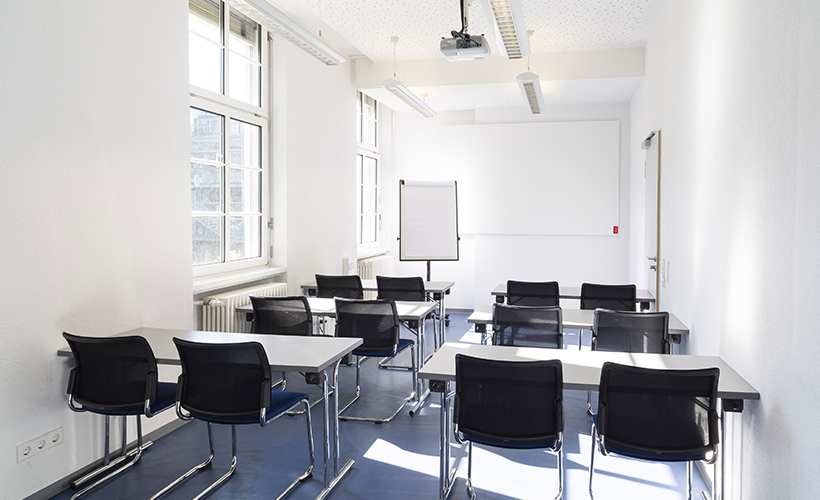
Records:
x=652, y=169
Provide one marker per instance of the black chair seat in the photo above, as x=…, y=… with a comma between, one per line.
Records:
x=387, y=351
x=166, y=397
x=280, y=401
x=514, y=445
x=684, y=429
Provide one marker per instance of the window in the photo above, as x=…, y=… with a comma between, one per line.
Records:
x=229, y=139
x=368, y=198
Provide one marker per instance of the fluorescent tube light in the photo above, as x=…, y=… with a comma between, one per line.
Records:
x=508, y=24
x=408, y=97
x=530, y=87
x=265, y=14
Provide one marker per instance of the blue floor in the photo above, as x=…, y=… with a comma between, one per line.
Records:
x=397, y=460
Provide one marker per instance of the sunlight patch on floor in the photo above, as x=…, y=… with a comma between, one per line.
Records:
x=388, y=453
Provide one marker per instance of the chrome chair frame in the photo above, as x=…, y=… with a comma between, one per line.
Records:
x=133, y=456
x=264, y=419
x=414, y=371
x=601, y=442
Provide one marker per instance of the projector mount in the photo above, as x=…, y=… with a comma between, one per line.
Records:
x=466, y=41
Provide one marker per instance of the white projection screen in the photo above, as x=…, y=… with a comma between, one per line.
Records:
x=557, y=178
x=428, y=220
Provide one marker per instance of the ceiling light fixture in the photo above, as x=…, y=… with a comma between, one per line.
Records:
x=509, y=27
x=403, y=92
x=530, y=86
x=265, y=14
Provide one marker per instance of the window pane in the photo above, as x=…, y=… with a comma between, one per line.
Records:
x=358, y=116
x=369, y=171
x=245, y=140
x=206, y=135
x=205, y=44
x=206, y=235
x=205, y=19
x=244, y=69
x=368, y=229
x=245, y=237
x=206, y=188
x=368, y=106
x=244, y=36
x=368, y=200
x=245, y=190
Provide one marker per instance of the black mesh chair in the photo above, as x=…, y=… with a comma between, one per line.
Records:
x=376, y=322
x=509, y=404
x=532, y=293
x=614, y=297
x=408, y=289
x=527, y=326
x=283, y=316
x=115, y=376
x=231, y=384
x=657, y=415
x=630, y=331
x=347, y=287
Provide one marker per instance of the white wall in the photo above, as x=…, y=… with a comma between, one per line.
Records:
x=487, y=260
x=733, y=84
x=95, y=228
x=314, y=141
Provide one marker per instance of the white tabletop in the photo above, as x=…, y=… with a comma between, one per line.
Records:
x=285, y=352
x=582, y=369
x=575, y=318
x=408, y=311
x=574, y=292
x=370, y=286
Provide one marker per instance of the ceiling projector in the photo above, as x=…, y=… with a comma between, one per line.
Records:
x=465, y=48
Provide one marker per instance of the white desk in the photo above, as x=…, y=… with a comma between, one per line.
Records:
x=434, y=289
x=575, y=318
x=314, y=355
x=581, y=371
x=644, y=297
x=407, y=311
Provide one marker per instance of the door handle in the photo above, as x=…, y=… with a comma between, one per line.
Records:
x=653, y=259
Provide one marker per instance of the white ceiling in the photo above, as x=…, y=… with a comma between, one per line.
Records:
x=364, y=27
x=559, y=25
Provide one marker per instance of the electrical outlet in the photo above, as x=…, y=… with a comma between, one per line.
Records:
x=39, y=444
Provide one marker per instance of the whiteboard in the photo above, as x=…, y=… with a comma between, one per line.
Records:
x=548, y=178
x=428, y=220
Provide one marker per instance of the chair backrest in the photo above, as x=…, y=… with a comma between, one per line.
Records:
x=409, y=288
x=615, y=297
x=282, y=315
x=376, y=322
x=112, y=374
x=223, y=383
x=348, y=286
x=658, y=414
x=533, y=293
x=630, y=331
x=514, y=404
x=527, y=326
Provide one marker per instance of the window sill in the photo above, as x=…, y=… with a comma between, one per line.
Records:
x=219, y=281
x=366, y=253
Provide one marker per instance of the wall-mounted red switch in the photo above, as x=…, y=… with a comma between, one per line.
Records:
x=614, y=229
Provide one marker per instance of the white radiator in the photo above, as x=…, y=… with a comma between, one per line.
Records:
x=368, y=269
x=219, y=311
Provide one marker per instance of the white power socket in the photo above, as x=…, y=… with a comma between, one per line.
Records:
x=39, y=444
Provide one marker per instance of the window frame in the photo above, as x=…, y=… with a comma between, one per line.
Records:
x=229, y=108
x=368, y=151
